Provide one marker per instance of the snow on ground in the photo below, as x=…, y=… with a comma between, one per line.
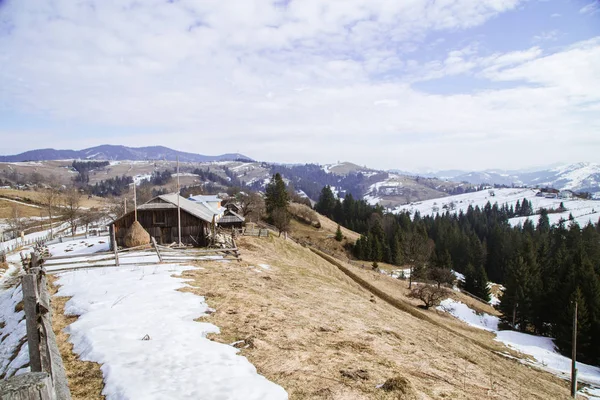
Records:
x=583, y=211
x=80, y=246
x=32, y=236
x=541, y=348
x=141, y=177
x=372, y=198
x=591, y=393
x=136, y=323
x=466, y=314
x=459, y=277
x=264, y=266
x=494, y=301
x=14, y=353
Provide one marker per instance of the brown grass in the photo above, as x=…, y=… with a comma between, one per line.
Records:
x=84, y=377
x=35, y=197
x=6, y=209
x=304, y=322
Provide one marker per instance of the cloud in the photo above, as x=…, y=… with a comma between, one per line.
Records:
x=297, y=81
x=546, y=36
x=591, y=8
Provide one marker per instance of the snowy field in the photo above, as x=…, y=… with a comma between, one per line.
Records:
x=12, y=326
x=134, y=321
x=542, y=349
x=583, y=211
x=141, y=329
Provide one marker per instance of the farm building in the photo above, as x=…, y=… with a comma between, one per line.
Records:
x=213, y=203
x=566, y=194
x=159, y=218
x=231, y=219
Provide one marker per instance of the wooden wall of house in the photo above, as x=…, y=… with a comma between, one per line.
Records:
x=162, y=225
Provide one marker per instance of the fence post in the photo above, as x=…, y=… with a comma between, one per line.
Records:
x=29, y=285
x=33, y=385
x=156, y=248
x=114, y=240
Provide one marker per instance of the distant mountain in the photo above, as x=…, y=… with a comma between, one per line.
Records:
x=119, y=153
x=579, y=177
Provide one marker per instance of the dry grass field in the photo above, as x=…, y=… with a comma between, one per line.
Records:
x=308, y=327
x=35, y=197
x=25, y=211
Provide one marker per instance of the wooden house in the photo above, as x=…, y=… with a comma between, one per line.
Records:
x=231, y=219
x=159, y=218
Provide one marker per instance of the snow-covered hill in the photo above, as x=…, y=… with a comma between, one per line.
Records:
x=580, y=177
x=583, y=211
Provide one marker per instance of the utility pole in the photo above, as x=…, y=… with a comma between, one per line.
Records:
x=125, y=208
x=134, y=201
x=574, y=356
x=178, y=208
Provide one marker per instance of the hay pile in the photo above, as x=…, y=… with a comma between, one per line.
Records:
x=136, y=236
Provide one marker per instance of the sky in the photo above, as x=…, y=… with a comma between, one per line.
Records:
x=411, y=84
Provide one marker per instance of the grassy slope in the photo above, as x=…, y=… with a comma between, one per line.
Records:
x=306, y=321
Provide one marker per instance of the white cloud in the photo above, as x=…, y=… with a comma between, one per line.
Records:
x=591, y=8
x=546, y=36
x=310, y=81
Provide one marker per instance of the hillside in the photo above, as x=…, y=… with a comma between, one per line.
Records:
x=580, y=177
x=583, y=211
x=309, y=328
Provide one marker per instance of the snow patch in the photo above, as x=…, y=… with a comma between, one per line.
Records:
x=135, y=322
x=469, y=316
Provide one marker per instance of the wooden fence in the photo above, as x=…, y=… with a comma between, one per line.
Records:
x=140, y=255
x=21, y=243
x=47, y=379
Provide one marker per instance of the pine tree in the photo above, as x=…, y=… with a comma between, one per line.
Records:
x=338, y=234
x=326, y=203
x=276, y=195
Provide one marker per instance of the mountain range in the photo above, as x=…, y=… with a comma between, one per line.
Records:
x=118, y=153
x=579, y=177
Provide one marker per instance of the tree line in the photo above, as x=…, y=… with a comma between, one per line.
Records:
x=545, y=268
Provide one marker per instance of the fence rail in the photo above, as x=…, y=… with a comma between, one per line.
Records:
x=47, y=379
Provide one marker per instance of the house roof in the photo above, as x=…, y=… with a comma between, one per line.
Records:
x=169, y=201
x=210, y=198
x=231, y=217
x=197, y=209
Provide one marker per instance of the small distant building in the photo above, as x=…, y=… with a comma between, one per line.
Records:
x=566, y=194
x=551, y=195
x=539, y=194
x=231, y=220
x=213, y=203
x=232, y=206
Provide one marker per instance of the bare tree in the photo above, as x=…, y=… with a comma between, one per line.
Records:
x=71, y=200
x=441, y=276
x=117, y=207
x=252, y=205
x=88, y=217
x=281, y=219
x=50, y=199
x=15, y=221
x=431, y=296
x=418, y=249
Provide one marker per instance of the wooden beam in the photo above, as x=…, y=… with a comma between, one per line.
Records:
x=30, y=302
x=156, y=248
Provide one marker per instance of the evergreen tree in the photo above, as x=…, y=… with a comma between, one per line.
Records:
x=326, y=203
x=338, y=234
x=276, y=195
